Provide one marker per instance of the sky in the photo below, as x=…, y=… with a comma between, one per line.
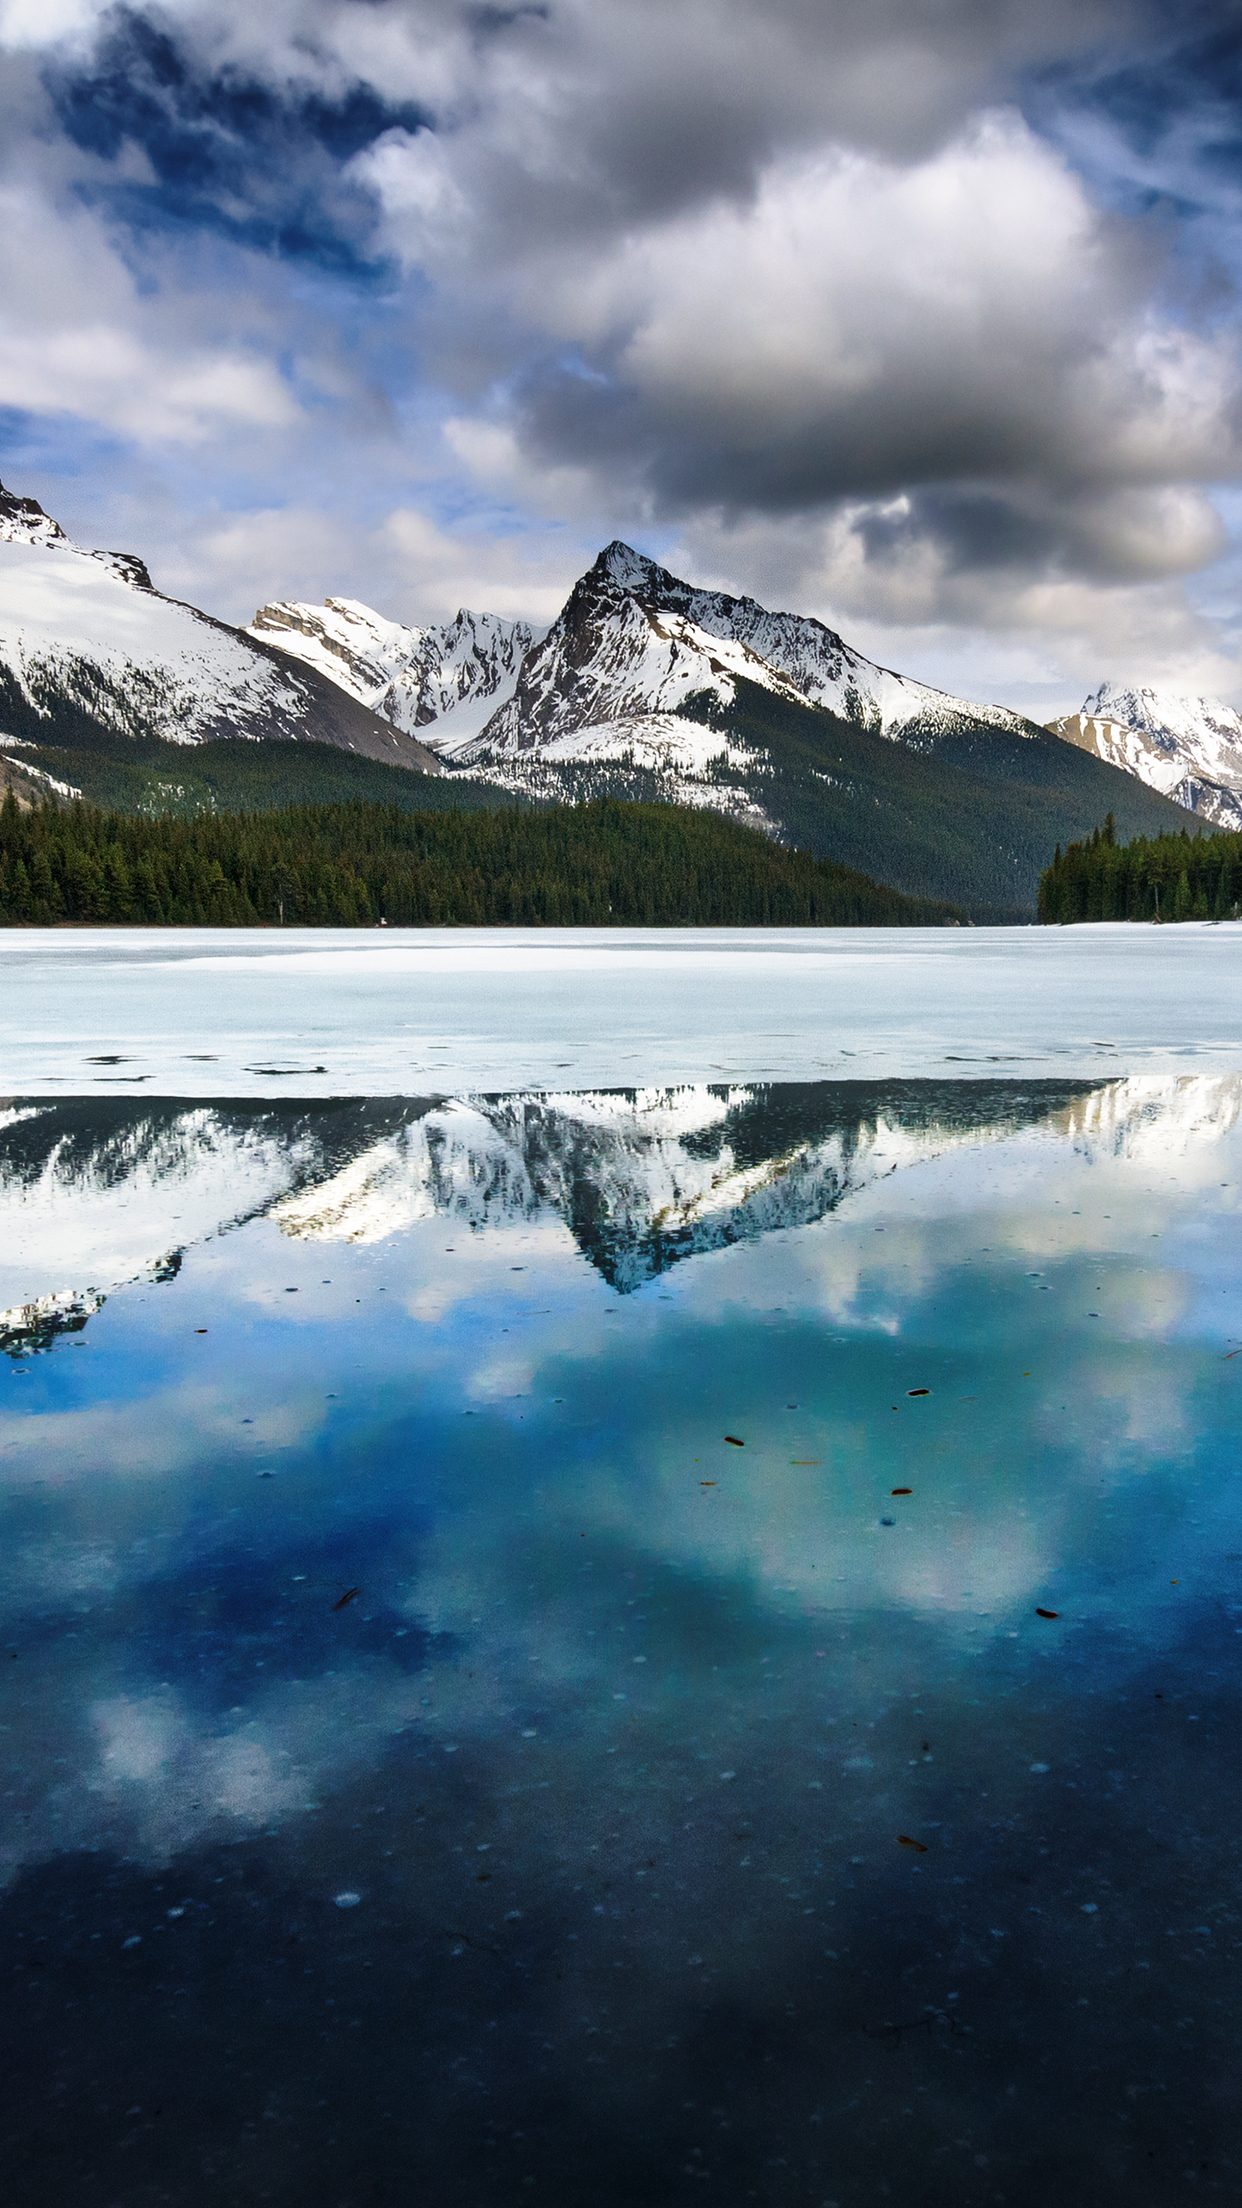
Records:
x=918, y=315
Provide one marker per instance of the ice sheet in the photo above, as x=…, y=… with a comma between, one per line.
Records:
x=245, y=1013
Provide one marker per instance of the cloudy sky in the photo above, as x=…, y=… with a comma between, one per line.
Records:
x=921, y=315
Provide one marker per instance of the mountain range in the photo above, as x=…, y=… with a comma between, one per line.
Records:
x=644, y=686
x=647, y=687
x=416, y=678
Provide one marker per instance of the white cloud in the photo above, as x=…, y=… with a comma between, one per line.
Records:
x=77, y=337
x=518, y=576
x=492, y=453
x=1029, y=640
x=865, y=326
x=105, y=375
x=27, y=24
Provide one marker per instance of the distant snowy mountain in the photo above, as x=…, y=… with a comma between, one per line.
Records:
x=644, y=688
x=410, y=676
x=91, y=651
x=647, y=687
x=619, y=673
x=1190, y=749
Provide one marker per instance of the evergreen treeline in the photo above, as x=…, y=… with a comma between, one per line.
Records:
x=606, y=863
x=1180, y=877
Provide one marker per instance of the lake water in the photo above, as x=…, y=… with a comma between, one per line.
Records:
x=639, y=1638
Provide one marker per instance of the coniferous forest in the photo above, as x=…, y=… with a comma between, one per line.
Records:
x=1181, y=877
x=607, y=863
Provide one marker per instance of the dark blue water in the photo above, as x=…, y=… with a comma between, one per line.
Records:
x=441, y=1765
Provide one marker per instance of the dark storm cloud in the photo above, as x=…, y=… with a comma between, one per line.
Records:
x=637, y=112
x=966, y=335
x=257, y=162
x=1020, y=532
x=762, y=268
x=583, y=117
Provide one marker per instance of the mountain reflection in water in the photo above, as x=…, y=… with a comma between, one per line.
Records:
x=94, y=1193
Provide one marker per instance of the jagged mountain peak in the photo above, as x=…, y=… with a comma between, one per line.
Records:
x=621, y=565
x=719, y=612
x=1187, y=748
x=415, y=677
x=23, y=521
x=1167, y=715
x=619, y=670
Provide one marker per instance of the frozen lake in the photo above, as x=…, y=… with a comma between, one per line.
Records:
x=339, y=1013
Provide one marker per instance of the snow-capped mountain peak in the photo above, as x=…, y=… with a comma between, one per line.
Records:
x=646, y=686
x=1190, y=749
x=1168, y=717
x=634, y=644
x=621, y=565
x=411, y=676
x=23, y=521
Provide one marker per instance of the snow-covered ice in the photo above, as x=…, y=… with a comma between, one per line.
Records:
x=324, y=1012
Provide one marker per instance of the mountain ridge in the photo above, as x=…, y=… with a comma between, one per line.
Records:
x=89, y=645
x=646, y=686
x=416, y=677
x=801, y=651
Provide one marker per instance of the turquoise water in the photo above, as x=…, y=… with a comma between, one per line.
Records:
x=442, y=1764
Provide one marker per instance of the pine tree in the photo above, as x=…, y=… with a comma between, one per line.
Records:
x=1182, y=897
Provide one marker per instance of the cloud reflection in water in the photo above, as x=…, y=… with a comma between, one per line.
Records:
x=616, y=1759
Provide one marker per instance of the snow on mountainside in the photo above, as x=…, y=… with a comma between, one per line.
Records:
x=645, y=687
x=1190, y=749
x=410, y=676
x=634, y=644
x=648, y=688
x=86, y=635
